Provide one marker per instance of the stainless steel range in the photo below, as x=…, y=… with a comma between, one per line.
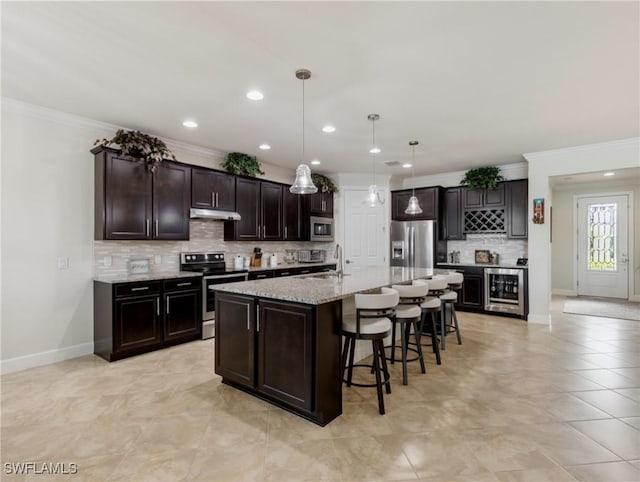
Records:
x=214, y=271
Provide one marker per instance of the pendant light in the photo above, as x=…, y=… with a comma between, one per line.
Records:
x=373, y=198
x=303, y=183
x=414, y=206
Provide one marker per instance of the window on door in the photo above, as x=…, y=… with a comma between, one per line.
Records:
x=602, y=237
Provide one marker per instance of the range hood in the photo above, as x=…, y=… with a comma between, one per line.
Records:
x=214, y=214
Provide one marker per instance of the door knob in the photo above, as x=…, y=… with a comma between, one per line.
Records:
x=348, y=261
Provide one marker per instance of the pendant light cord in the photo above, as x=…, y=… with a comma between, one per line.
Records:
x=303, y=121
x=413, y=169
x=374, y=154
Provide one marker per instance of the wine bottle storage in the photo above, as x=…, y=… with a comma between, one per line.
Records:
x=485, y=221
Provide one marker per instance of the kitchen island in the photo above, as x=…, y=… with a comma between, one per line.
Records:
x=279, y=339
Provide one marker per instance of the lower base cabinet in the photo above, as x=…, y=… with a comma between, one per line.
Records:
x=134, y=318
x=283, y=352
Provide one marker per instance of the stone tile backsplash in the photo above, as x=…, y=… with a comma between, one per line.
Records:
x=205, y=236
x=508, y=249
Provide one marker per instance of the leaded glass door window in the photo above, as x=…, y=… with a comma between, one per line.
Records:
x=602, y=236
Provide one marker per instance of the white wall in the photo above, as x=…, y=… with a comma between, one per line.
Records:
x=513, y=171
x=47, y=213
x=563, y=228
x=543, y=165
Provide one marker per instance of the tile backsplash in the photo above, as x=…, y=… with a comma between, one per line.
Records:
x=204, y=236
x=508, y=249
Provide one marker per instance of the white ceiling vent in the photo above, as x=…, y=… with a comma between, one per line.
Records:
x=392, y=163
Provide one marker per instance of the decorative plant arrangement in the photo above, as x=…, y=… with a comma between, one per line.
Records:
x=138, y=144
x=483, y=177
x=242, y=164
x=323, y=183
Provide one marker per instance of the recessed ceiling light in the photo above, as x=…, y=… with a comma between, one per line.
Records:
x=265, y=147
x=328, y=129
x=609, y=173
x=191, y=124
x=407, y=165
x=255, y=95
x=315, y=162
x=375, y=150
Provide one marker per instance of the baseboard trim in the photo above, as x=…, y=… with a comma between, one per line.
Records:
x=634, y=298
x=538, y=319
x=564, y=292
x=45, y=358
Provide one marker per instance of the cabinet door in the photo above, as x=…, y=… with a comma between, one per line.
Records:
x=399, y=202
x=517, y=214
x=428, y=199
x=224, y=187
x=285, y=341
x=328, y=204
x=248, y=205
x=137, y=323
x=127, y=199
x=292, y=216
x=454, y=218
x=271, y=211
x=171, y=201
x=235, y=339
x=472, y=291
x=316, y=203
x=494, y=198
x=202, y=191
x=182, y=315
x=472, y=198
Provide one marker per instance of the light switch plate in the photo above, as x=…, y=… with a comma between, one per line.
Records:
x=157, y=259
x=63, y=262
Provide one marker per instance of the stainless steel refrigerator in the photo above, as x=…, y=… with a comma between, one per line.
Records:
x=412, y=244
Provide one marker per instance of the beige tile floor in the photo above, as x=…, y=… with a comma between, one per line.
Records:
x=515, y=402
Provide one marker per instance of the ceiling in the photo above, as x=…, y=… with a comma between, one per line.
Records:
x=627, y=176
x=476, y=83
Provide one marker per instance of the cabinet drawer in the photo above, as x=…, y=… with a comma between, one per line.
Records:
x=181, y=284
x=141, y=288
x=261, y=275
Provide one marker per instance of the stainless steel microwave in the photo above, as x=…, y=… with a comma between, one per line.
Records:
x=321, y=229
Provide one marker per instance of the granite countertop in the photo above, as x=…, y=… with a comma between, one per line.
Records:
x=131, y=278
x=316, y=291
x=483, y=265
x=289, y=266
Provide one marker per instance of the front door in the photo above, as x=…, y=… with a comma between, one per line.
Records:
x=603, y=263
x=365, y=234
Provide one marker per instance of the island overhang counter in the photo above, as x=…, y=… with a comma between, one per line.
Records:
x=279, y=338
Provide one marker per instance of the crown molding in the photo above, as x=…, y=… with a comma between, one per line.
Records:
x=600, y=146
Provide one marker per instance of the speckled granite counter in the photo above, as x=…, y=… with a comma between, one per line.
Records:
x=131, y=278
x=313, y=290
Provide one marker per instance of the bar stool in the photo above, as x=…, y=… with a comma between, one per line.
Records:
x=372, y=322
x=438, y=285
x=431, y=306
x=449, y=298
x=408, y=315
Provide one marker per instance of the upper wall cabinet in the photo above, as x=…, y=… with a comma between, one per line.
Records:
x=259, y=204
x=212, y=190
x=320, y=204
x=428, y=197
x=453, y=215
x=484, y=198
x=517, y=214
x=292, y=215
x=132, y=203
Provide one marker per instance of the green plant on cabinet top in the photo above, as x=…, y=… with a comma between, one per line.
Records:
x=242, y=164
x=323, y=183
x=482, y=178
x=138, y=144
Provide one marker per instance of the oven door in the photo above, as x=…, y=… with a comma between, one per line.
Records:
x=209, y=296
x=504, y=290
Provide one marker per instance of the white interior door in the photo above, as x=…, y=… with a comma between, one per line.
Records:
x=603, y=246
x=365, y=232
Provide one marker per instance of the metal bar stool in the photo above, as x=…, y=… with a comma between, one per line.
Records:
x=438, y=286
x=372, y=322
x=449, y=299
x=431, y=306
x=408, y=315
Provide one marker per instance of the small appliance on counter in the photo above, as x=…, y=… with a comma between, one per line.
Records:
x=238, y=262
x=311, y=256
x=290, y=257
x=256, y=258
x=522, y=261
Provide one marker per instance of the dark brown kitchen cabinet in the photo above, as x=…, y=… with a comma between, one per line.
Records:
x=249, y=227
x=182, y=310
x=285, y=362
x=262, y=274
x=132, y=203
x=320, y=204
x=428, y=198
x=292, y=216
x=472, y=293
x=484, y=198
x=271, y=211
x=517, y=213
x=454, y=216
x=137, y=317
x=212, y=190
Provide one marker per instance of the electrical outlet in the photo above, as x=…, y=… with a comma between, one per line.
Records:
x=63, y=262
x=106, y=261
x=157, y=259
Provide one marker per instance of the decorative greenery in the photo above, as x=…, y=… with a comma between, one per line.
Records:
x=138, y=144
x=483, y=177
x=323, y=183
x=242, y=164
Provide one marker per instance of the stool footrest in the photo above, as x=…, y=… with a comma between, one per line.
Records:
x=385, y=379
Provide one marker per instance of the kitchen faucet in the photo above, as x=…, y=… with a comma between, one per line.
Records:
x=338, y=255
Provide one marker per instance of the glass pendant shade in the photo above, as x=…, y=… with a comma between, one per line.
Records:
x=373, y=197
x=413, y=207
x=303, y=183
